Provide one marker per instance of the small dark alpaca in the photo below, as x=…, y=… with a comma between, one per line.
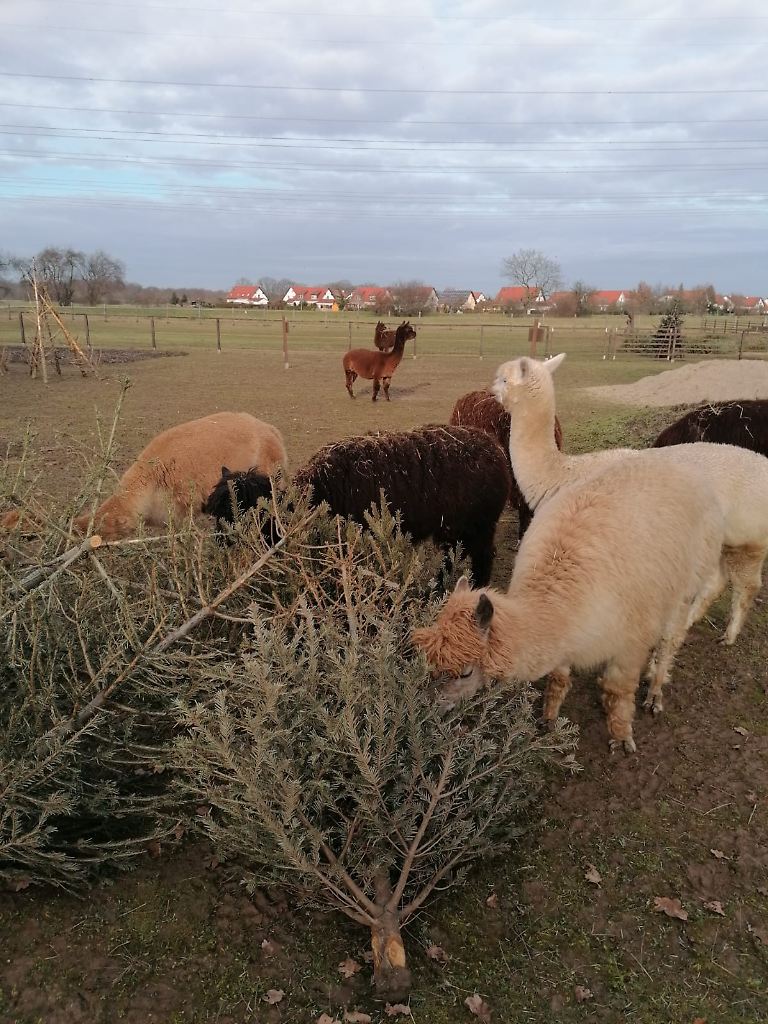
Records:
x=743, y=423
x=449, y=484
x=383, y=337
x=481, y=410
x=376, y=366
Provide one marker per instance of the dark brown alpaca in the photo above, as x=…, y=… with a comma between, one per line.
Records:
x=376, y=366
x=383, y=338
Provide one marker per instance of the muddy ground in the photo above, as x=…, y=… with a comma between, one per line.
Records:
x=178, y=940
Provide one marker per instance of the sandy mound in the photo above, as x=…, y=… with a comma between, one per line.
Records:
x=715, y=380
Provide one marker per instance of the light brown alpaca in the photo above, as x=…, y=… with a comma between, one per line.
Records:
x=605, y=573
x=178, y=469
x=737, y=478
x=376, y=366
x=383, y=338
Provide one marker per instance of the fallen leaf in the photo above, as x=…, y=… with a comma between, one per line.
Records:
x=368, y=956
x=492, y=901
x=19, y=884
x=761, y=934
x=582, y=994
x=741, y=730
x=751, y=797
x=154, y=849
x=593, y=875
x=395, y=1009
x=179, y=831
x=478, y=1006
x=349, y=967
x=763, y=890
x=699, y=1020
x=269, y=947
x=325, y=1019
x=274, y=995
x=670, y=907
x=437, y=953
x=718, y=855
x=357, y=1017
x=716, y=907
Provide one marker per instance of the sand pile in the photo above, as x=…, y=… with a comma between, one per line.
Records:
x=714, y=380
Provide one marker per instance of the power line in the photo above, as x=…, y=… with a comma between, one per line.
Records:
x=346, y=168
x=368, y=120
x=383, y=89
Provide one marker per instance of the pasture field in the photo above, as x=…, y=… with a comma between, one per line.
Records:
x=178, y=941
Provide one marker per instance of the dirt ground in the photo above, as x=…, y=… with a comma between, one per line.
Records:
x=178, y=940
x=708, y=381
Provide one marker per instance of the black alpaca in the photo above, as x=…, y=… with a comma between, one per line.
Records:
x=449, y=484
x=743, y=423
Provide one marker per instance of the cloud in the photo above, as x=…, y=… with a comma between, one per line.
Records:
x=425, y=139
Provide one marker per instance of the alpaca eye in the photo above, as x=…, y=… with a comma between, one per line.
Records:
x=467, y=672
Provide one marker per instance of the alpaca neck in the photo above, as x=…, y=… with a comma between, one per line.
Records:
x=520, y=646
x=536, y=460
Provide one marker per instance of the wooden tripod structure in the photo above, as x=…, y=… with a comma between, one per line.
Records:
x=50, y=331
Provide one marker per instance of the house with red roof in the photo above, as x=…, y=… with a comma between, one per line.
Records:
x=745, y=303
x=609, y=301
x=310, y=295
x=369, y=296
x=247, y=295
x=460, y=300
x=520, y=297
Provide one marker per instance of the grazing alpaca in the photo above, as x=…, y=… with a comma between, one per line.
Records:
x=743, y=423
x=376, y=366
x=605, y=573
x=383, y=339
x=737, y=479
x=178, y=468
x=480, y=409
x=449, y=484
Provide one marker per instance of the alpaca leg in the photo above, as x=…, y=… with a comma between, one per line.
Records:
x=745, y=567
x=351, y=377
x=711, y=590
x=524, y=517
x=619, y=684
x=555, y=692
x=662, y=659
x=385, y=381
x=480, y=550
x=376, y=388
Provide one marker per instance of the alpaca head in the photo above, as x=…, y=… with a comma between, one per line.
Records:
x=457, y=644
x=110, y=521
x=405, y=332
x=523, y=380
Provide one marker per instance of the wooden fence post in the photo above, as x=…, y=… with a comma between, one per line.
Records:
x=482, y=328
x=349, y=325
x=218, y=335
x=21, y=329
x=87, y=332
x=152, y=331
x=533, y=338
x=286, y=364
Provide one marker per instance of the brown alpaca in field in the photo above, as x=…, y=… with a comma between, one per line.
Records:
x=178, y=469
x=376, y=366
x=384, y=338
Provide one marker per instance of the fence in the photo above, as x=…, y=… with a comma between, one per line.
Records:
x=495, y=338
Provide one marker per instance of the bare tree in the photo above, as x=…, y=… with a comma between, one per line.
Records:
x=411, y=297
x=275, y=288
x=101, y=274
x=583, y=294
x=56, y=269
x=533, y=270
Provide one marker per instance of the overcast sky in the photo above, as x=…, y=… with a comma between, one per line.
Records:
x=386, y=141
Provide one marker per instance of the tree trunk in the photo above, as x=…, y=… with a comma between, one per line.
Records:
x=391, y=977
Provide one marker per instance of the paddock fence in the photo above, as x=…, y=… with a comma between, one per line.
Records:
x=103, y=331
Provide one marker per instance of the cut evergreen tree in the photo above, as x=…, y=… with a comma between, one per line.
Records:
x=668, y=336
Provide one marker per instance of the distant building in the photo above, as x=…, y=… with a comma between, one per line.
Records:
x=609, y=301
x=247, y=295
x=310, y=295
x=460, y=299
x=369, y=296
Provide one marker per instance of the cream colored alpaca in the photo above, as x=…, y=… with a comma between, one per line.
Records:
x=179, y=468
x=737, y=478
x=604, y=574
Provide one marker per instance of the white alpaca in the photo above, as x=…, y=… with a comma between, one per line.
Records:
x=737, y=478
x=178, y=469
x=605, y=573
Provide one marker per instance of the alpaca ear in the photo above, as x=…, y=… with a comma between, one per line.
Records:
x=484, y=611
x=224, y=471
x=461, y=585
x=553, y=363
x=519, y=370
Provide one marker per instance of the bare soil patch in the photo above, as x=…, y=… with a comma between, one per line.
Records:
x=714, y=380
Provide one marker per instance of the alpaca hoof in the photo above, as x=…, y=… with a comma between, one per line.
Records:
x=654, y=705
x=547, y=724
x=726, y=641
x=628, y=746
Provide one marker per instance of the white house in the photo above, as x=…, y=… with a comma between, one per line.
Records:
x=247, y=295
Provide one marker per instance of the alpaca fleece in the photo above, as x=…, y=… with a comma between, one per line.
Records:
x=480, y=409
x=449, y=484
x=179, y=467
x=743, y=423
